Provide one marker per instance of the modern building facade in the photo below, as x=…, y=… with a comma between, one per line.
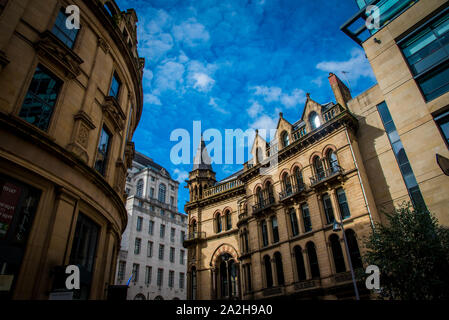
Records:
x=409, y=56
x=152, y=258
x=264, y=234
x=70, y=101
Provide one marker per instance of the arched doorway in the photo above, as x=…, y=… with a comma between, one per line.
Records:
x=227, y=276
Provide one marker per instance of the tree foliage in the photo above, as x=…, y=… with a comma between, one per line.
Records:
x=412, y=252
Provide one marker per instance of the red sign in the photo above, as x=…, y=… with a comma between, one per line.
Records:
x=9, y=198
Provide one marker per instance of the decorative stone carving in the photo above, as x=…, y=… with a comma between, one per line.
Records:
x=129, y=153
x=120, y=176
x=103, y=45
x=50, y=47
x=114, y=113
x=80, y=136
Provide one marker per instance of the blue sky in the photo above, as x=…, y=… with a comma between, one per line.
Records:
x=237, y=64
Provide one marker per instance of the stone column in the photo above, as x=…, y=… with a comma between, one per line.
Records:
x=305, y=256
x=295, y=267
x=274, y=272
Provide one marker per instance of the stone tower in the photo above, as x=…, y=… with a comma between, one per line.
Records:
x=202, y=176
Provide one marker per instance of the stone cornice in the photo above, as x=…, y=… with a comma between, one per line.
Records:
x=114, y=112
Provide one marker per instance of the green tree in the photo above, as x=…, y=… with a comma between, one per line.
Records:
x=412, y=253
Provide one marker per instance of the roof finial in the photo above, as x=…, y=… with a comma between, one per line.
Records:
x=308, y=95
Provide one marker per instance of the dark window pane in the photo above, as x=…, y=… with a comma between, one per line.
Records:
x=67, y=36
x=328, y=209
x=343, y=203
x=115, y=86
x=443, y=123
x=306, y=218
x=384, y=112
x=436, y=83
x=398, y=149
x=40, y=99
x=103, y=150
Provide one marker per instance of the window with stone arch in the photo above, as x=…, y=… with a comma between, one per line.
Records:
x=313, y=260
x=314, y=120
x=287, y=183
x=193, y=226
x=285, y=139
x=337, y=254
x=139, y=188
x=300, y=266
x=332, y=160
x=279, y=268
x=218, y=224
x=268, y=271
x=353, y=247
x=228, y=220
x=318, y=166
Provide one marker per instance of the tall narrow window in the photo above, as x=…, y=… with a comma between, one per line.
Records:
x=172, y=234
x=137, y=245
x=294, y=222
x=139, y=188
x=275, y=229
x=103, y=151
x=121, y=270
x=152, y=193
x=161, y=252
x=353, y=249
x=115, y=86
x=183, y=236
x=172, y=254
x=314, y=121
x=160, y=277
x=287, y=184
x=306, y=217
x=279, y=268
x=337, y=253
x=300, y=267
x=343, y=203
x=139, y=224
x=181, y=257
x=268, y=271
x=333, y=161
x=162, y=192
x=193, y=283
x=298, y=177
x=171, y=279
x=328, y=211
x=313, y=260
x=60, y=30
x=228, y=220
x=40, y=99
x=150, y=227
x=285, y=139
x=319, y=169
x=264, y=233
x=162, y=231
x=401, y=157
x=150, y=249
x=148, y=275
x=218, y=223
x=181, y=280
x=135, y=274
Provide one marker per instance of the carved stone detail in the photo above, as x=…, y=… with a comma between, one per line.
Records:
x=120, y=176
x=103, y=44
x=50, y=47
x=80, y=138
x=114, y=113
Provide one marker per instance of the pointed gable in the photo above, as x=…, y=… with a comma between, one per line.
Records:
x=261, y=145
x=310, y=108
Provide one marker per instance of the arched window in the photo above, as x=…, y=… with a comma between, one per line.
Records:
x=264, y=233
x=228, y=219
x=162, y=192
x=275, y=229
x=269, y=188
x=313, y=260
x=279, y=268
x=193, y=227
x=297, y=173
x=328, y=211
x=139, y=297
x=300, y=268
x=218, y=225
x=227, y=276
x=314, y=121
x=259, y=196
x=294, y=222
x=285, y=139
x=337, y=253
x=319, y=169
x=332, y=161
x=159, y=298
x=268, y=272
x=343, y=204
x=245, y=240
x=287, y=184
x=193, y=284
x=353, y=249
x=139, y=188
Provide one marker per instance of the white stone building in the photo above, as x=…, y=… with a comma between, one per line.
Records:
x=151, y=248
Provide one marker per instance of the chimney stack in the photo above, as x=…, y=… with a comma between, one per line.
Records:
x=341, y=91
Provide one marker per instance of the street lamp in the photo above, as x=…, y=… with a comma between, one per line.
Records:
x=337, y=227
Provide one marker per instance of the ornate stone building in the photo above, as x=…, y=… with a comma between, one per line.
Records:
x=261, y=234
x=70, y=101
x=266, y=231
x=152, y=249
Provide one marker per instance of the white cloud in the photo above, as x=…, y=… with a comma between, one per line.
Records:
x=318, y=82
x=169, y=76
x=191, y=33
x=356, y=67
x=264, y=122
x=151, y=99
x=213, y=103
x=181, y=175
x=276, y=94
x=254, y=109
x=203, y=82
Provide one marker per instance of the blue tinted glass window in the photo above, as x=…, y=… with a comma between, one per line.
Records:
x=443, y=122
x=436, y=83
x=67, y=36
x=115, y=86
x=401, y=156
x=40, y=99
x=103, y=150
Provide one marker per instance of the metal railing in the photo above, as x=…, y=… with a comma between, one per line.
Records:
x=291, y=190
x=195, y=235
x=326, y=174
x=222, y=188
x=264, y=199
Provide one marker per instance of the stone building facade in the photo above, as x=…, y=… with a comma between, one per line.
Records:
x=267, y=230
x=264, y=234
x=70, y=101
x=152, y=253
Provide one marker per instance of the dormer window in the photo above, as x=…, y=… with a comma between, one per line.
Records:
x=285, y=139
x=314, y=120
